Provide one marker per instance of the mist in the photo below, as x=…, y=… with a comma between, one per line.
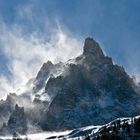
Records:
x=26, y=53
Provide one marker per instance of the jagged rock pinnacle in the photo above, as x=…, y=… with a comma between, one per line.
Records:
x=45, y=69
x=92, y=47
x=17, y=121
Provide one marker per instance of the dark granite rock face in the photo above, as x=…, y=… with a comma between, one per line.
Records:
x=91, y=47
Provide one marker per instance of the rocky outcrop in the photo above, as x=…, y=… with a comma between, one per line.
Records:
x=43, y=75
x=91, y=47
x=17, y=122
x=6, y=107
x=47, y=70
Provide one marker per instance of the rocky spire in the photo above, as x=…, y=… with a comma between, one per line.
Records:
x=43, y=75
x=91, y=47
x=17, y=120
x=45, y=69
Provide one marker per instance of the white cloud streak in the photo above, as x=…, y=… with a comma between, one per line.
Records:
x=26, y=53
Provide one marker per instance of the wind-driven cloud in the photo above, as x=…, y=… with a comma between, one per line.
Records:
x=26, y=53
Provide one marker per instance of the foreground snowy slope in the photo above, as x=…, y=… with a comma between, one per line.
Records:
x=120, y=129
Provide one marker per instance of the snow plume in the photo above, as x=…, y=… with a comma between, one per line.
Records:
x=26, y=53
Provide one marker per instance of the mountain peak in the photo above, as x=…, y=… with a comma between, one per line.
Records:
x=91, y=47
x=88, y=90
x=46, y=67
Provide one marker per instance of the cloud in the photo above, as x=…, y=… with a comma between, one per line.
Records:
x=26, y=53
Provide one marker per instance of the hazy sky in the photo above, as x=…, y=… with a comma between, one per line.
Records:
x=33, y=31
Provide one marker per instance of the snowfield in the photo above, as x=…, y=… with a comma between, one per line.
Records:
x=69, y=134
x=84, y=132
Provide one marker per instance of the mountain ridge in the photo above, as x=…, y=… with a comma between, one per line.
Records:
x=91, y=72
x=86, y=90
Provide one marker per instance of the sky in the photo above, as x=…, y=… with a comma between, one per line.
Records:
x=34, y=31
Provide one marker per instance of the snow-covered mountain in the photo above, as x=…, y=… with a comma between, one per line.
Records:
x=86, y=90
x=89, y=90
